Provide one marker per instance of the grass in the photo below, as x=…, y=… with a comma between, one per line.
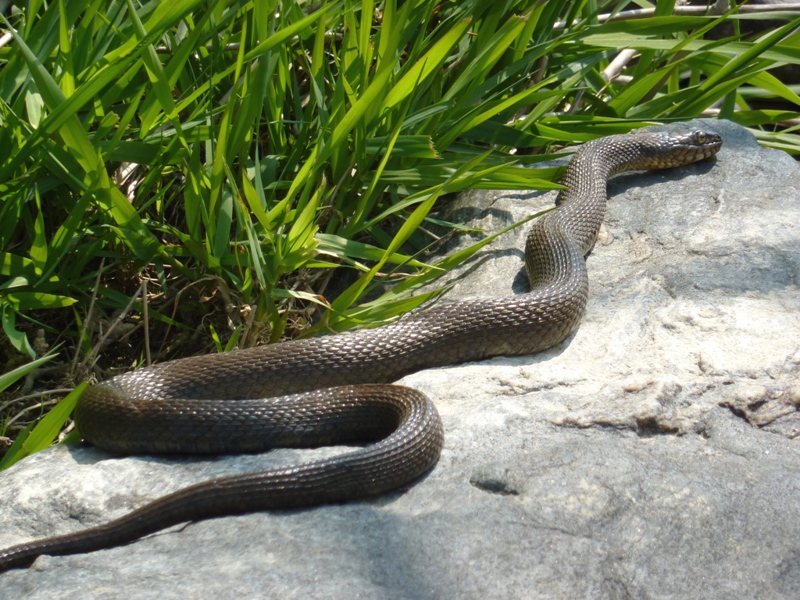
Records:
x=183, y=177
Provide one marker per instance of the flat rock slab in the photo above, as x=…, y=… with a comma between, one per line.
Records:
x=653, y=454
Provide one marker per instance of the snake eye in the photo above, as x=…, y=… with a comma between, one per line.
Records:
x=701, y=137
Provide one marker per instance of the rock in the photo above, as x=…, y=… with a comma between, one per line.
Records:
x=650, y=455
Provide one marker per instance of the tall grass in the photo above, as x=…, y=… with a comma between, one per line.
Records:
x=187, y=166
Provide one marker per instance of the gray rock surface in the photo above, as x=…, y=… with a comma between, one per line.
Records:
x=653, y=454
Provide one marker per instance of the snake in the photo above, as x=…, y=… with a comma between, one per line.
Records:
x=333, y=389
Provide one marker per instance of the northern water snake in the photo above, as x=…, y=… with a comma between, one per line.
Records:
x=235, y=402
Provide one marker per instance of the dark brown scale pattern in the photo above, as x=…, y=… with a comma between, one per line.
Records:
x=237, y=402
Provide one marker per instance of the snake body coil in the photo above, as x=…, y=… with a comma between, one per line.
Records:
x=236, y=402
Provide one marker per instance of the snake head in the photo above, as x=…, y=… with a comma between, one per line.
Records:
x=665, y=150
x=645, y=149
x=691, y=147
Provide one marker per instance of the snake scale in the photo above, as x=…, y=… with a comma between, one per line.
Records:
x=238, y=402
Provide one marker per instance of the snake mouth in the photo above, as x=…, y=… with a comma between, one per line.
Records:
x=699, y=154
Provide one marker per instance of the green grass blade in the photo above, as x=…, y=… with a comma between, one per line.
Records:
x=46, y=430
